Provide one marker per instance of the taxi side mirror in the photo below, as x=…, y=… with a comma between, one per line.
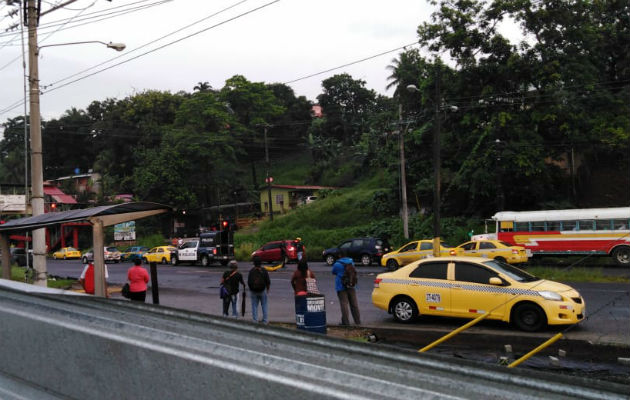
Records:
x=495, y=281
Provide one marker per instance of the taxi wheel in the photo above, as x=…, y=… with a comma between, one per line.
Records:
x=500, y=259
x=392, y=265
x=145, y=260
x=163, y=260
x=84, y=260
x=529, y=317
x=404, y=310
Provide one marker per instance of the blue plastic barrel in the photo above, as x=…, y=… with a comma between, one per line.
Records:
x=310, y=313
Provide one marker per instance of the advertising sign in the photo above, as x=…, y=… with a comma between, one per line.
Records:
x=12, y=203
x=125, y=231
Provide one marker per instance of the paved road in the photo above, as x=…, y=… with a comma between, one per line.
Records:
x=196, y=289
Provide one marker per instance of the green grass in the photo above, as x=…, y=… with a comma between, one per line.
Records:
x=17, y=274
x=575, y=275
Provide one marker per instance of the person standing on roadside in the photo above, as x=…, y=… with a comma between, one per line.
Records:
x=231, y=279
x=298, y=280
x=259, y=284
x=87, y=278
x=345, y=285
x=299, y=248
x=138, y=278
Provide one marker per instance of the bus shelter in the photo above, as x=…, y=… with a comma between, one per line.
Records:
x=98, y=217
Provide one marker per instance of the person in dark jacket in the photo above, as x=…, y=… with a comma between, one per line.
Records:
x=231, y=279
x=259, y=284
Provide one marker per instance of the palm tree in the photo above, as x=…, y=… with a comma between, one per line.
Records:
x=406, y=70
x=202, y=87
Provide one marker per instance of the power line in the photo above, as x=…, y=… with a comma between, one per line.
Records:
x=166, y=45
x=146, y=44
x=351, y=63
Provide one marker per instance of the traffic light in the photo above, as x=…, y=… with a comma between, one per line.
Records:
x=225, y=224
x=53, y=206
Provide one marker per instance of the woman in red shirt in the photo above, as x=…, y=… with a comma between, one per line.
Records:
x=138, y=278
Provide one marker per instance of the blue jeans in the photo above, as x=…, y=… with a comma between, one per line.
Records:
x=226, y=305
x=259, y=297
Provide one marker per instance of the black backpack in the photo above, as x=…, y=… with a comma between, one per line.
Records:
x=349, y=278
x=256, y=280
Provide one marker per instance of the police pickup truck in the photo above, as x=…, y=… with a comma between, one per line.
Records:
x=209, y=247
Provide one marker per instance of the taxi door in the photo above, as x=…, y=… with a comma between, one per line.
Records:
x=473, y=295
x=430, y=288
x=408, y=254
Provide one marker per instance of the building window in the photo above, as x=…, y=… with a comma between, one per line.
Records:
x=280, y=199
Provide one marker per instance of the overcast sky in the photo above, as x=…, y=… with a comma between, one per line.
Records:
x=277, y=41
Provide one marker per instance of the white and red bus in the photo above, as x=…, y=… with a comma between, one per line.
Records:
x=593, y=231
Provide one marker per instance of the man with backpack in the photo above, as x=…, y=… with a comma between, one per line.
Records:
x=259, y=283
x=345, y=285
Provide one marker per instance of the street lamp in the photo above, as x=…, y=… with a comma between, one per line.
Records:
x=37, y=175
x=111, y=45
x=436, y=168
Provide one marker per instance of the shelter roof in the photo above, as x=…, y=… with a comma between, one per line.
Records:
x=133, y=210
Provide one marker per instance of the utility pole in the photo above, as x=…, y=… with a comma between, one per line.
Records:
x=403, y=178
x=37, y=174
x=436, y=165
x=268, y=179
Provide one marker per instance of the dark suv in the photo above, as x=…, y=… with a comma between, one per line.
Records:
x=364, y=250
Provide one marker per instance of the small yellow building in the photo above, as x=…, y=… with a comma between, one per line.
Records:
x=287, y=197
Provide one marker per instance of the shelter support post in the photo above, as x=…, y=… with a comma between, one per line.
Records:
x=155, y=292
x=6, y=256
x=99, y=257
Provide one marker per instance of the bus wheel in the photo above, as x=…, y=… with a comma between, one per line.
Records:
x=621, y=255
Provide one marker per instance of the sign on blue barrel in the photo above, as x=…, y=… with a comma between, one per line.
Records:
x=310, y=313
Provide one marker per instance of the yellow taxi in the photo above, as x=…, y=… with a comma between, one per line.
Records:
x=412, y=251
x=467, y=287
x=494, y=249
x=159, y=254
x=66, y=252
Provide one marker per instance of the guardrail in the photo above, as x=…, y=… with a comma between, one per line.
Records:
x=57, y=346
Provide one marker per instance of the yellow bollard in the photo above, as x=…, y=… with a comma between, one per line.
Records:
x=455, y=332
x=536, y=350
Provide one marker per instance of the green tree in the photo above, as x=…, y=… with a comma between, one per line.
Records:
x=12, y=151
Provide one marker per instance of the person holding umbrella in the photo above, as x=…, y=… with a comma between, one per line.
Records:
x=231, y=279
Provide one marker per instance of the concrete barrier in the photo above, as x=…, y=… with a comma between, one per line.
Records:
x=83, y=347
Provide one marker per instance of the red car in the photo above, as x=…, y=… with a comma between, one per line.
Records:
x=279, y=250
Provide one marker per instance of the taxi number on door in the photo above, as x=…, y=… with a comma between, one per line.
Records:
x=433, y=298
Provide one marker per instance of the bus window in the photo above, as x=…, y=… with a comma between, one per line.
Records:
x=521, y=226
x=554, y=226
x=538, y=226
x=586, y=225
x=569, y=225
x=603, y=224
x=619, y=224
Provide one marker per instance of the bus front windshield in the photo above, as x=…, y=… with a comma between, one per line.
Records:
x=514, y=273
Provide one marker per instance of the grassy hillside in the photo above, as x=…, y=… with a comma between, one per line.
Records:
x=367, y=208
